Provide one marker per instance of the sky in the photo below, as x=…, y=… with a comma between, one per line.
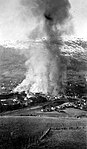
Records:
x=79, y=14
x=17, y=20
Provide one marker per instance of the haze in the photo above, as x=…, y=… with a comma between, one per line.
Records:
x=17, y=21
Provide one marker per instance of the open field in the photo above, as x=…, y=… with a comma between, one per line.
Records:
x=46, y=130
x=36, y=111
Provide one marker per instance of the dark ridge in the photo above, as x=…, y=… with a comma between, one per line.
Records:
x=6, y=96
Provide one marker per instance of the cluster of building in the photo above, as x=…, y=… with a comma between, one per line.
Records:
x=63, y=103
x=13, y=101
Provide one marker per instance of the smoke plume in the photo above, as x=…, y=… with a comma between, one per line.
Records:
x=43, y=64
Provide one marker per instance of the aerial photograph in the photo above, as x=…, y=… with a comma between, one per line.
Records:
x=43, y=74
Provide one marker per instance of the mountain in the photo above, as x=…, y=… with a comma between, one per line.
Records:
x=12, y=67
x=75, y=53
x=73, y=63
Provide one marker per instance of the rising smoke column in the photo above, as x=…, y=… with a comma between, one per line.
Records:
x=56, y=12
x=43, y=64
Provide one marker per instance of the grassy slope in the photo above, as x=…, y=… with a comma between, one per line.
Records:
x=20, y=131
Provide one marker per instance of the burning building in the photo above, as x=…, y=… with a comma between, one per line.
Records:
x=43, y=59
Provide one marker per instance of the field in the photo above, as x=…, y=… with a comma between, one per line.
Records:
x=44, y=130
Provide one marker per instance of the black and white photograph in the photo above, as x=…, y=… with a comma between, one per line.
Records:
x=43, y=74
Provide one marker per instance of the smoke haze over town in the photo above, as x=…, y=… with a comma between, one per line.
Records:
x=36, y=30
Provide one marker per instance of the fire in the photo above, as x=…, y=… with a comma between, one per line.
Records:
x=43, y=59
x=42, y=75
